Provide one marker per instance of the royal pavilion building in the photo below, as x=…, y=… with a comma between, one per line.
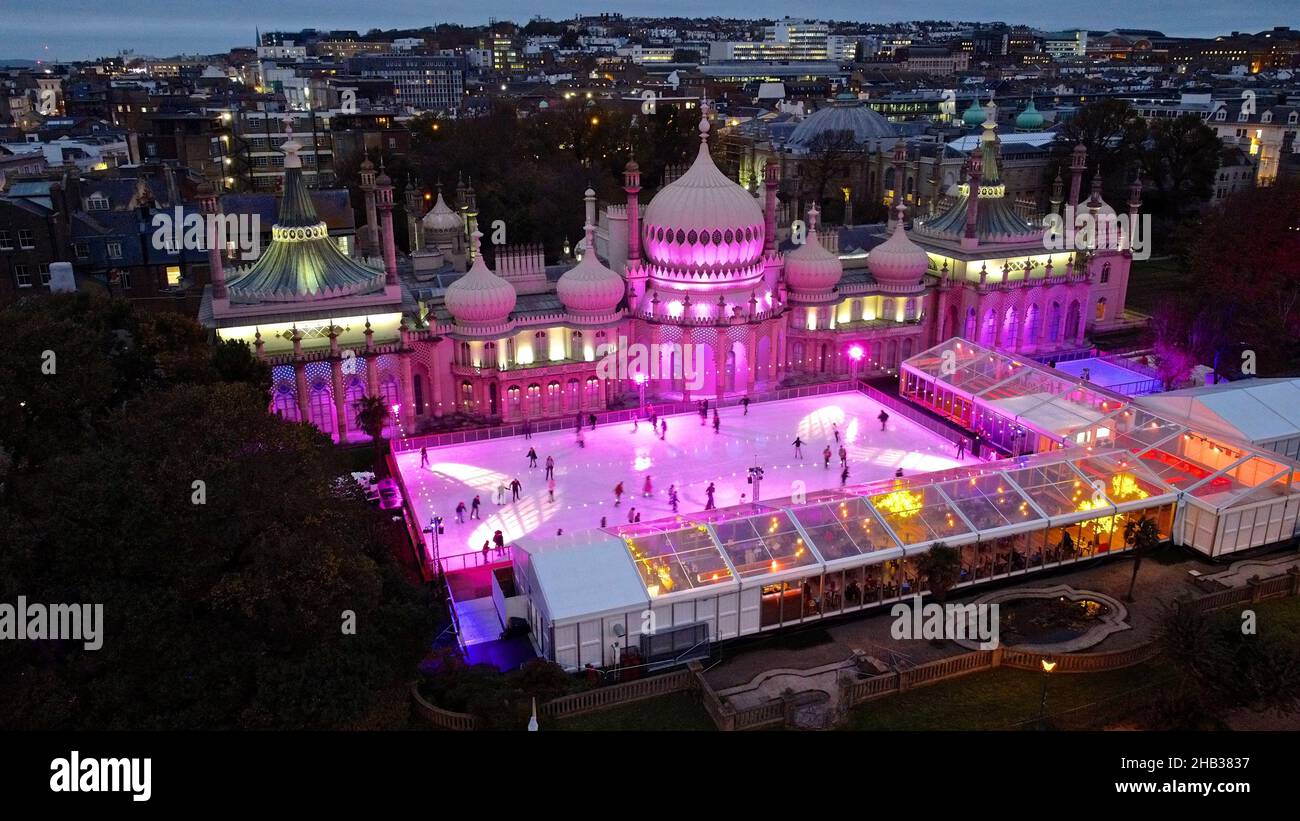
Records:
x=702, y=270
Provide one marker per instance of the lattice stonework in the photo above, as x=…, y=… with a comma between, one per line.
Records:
x=319, y=376
x=283, y=376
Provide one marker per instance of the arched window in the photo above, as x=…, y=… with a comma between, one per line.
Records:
x=1010, y=327
x=513, y=396
x=1054, y=323
x=969, y=333
x=909, y=309
x=417, y=385
x=571, y=398
x=553, y=397
x=284, y=403
x=887, y=310
x=593, y=392
x=534, y=400
x=467, y=396
x=1101, y=309
x=1105, y=273
x=990, y=328
x=1072, y=321
x=322, y=408
x=1032, y=322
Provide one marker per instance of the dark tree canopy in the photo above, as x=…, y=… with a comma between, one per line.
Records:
x=211, y=532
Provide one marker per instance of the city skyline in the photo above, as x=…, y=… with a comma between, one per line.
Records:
x=162, y=30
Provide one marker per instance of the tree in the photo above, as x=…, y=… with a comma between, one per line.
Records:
x=1143, y=535
x=941, y=567
x=1244, y=264
x=829, y=154
x=372, y=416
x=225, y=605
x=1179, y=159
x=1113, y=133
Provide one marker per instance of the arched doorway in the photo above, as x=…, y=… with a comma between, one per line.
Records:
x=1072, y=321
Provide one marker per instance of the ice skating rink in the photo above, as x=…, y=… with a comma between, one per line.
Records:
x=690, y=457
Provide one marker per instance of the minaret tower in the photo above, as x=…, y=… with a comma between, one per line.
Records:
x=384, y=202
x=372, y=218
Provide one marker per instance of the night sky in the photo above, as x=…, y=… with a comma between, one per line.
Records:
x=80, y=29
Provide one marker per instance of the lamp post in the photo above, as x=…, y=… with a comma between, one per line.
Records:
x=640, y=381
x=755, y=478
x=855, y=356
x=434, y=529
x=1048, y=667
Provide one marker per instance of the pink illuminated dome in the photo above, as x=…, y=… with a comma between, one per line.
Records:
x=898, y=262
x=589, y=289
x=703, y=219
x=810, y=270
x=480, y=298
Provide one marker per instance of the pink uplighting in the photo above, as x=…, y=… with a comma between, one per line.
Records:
x=689, y=458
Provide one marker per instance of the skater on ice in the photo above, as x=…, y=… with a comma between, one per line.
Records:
x=883, y=417
x=798, y=448
x=550, y=467
x=618, y=494
x=648, y=488
x=826, y=458
x=532, y=458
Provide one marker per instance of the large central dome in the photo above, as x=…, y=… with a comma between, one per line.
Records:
x=703, y=218
x=846, y=113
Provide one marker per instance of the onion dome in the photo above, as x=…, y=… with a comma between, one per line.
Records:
x=703, y=218
x=996, y=220
x=898, y=263
x=441, y=217
x=974, y=115
x=812, y=272
x=480, y=300
x=846, y=113
x=303, y=262
x=1031, y=119
x=590, y=290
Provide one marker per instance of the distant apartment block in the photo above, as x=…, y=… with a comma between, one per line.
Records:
x=424, y=82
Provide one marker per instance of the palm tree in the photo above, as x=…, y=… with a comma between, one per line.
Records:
x=1143, y=535
x=941, y=567
x=372, y=416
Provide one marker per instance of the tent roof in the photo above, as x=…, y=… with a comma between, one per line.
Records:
x=1256, y=410
x=584, y=574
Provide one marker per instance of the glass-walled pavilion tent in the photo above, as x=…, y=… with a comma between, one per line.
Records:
x=1263, y=412
x=1011, y=401
x=732, y=572
x=739, y=571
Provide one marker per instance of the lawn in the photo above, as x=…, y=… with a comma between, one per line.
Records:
x=1151, y=279
x=1005, y=699
x=1009, y=699
x=677, y=711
